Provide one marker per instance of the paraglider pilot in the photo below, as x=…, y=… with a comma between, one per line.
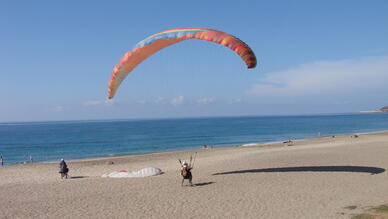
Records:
x=63, y=169
x=186, y=172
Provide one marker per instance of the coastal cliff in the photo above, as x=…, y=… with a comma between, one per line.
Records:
x=384, y=109
x=381, y=110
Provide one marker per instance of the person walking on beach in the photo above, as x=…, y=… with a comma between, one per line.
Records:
x=31, y=159
x=1, y=160
x=186, y=173
x=63, y=170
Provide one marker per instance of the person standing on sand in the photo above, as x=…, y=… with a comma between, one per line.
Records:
x=1, y=160
x=186, y=173
x=63, y=170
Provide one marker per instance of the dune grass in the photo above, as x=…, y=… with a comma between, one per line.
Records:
x=381, y=208
x=380, y=211
x=351, y=207
x=363, y=216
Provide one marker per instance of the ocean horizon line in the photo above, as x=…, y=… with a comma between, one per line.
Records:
x=173, y=118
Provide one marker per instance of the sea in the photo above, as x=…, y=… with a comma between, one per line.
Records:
x=74, y=140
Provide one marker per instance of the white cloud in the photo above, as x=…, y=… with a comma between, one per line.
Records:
x=177, y=100
x=59, y=109
x=141, y=102
x=205, y=100
x=159, y=100
x=234, y=101
x=326, y=77
x=98, y=102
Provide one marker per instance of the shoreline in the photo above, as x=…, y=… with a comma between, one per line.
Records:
x=260, y=145
x=79, y=141
x=264, y=144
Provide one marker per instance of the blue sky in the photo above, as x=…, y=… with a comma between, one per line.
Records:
x=314, y=57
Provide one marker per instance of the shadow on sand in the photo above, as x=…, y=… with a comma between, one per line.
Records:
x=354, y=169
x=203, y=184
x=78, y=177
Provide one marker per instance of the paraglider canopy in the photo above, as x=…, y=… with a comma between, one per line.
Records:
x=149, y=171
x=158, y=41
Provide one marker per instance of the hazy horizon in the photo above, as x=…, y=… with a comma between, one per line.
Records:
x=189, y=117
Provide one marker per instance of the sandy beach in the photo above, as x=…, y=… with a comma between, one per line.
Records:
x=316, y=178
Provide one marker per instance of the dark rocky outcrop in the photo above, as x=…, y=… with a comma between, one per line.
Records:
x=384, y=109
x=381, y=110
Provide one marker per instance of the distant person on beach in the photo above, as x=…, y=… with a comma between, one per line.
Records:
x=63, y=169
x=2, y=160
x=205, y=147
x=31, y=159
x=289, y=142
x=186, y=173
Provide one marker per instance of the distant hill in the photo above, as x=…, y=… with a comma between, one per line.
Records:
x=381, y=110
x=384, y=109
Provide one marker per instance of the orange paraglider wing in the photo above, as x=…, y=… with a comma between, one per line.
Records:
x=158, y=41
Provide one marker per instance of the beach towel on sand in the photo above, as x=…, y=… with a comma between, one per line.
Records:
x=149, y=171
